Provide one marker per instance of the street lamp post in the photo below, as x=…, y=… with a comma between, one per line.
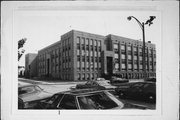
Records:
x=142, y=26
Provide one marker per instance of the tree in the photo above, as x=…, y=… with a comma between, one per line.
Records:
x=20, y=46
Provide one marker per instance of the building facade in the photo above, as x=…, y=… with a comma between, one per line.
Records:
x=85, y=56
x=31, y=65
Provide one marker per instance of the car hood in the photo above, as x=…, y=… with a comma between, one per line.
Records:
x=35, y=96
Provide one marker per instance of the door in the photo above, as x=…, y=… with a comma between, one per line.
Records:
x=109, y=65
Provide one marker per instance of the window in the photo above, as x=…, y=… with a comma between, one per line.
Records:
x=82, y=65
x=68, y=102
x=92, y=76
x=82, y=41
x=135, y=66
x=78, y=46
x=116, y=66
x=135, y=57
x=82, y=52
x=91, y=53
x=129, y=48
x=150, y=67
x=116, y=55
x=122, y=47
x=95, y=54
x=78, y=65
x=140, y=67
x=87, y=41
x=95, y=65
x=95, y=41
x=140, y=49
x=83, y=58
x=92, y=66
x=78, y=52
x=129, y=57
x=123, y=56
x=140, y=57
x=130, y=66
x=135, y=49
x=54, y=100
x=123, y=66
x=97, y=101
x=115, y=46
x=83, y=76
x=99, y=54
x=87, y=65
x=99, y=43
x=88, y=76
x=87, y=47
x=91, y=42
x=78, y=77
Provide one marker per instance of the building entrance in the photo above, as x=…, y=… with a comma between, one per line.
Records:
x=48, y=67
x=109, y=65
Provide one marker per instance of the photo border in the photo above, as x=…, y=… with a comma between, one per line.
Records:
x=11, y=48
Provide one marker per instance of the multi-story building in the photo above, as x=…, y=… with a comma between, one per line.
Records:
x=31, y=65
x=85, y=56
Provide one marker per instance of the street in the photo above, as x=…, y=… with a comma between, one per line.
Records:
x=55, y=87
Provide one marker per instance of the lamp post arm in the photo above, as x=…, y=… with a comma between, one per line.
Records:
x=140, y=24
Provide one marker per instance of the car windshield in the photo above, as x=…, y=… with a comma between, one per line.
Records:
x=97, y=101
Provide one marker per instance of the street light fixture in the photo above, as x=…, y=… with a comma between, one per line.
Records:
x=142, y=26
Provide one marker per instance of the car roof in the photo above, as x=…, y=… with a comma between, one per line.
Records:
x=82, y=91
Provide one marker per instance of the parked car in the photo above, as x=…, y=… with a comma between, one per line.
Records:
x=144, y=91
x=20, y=103
x=82, y=99
x=118, y=81
x=151, y=79
x=99, y=84
x=29, y=94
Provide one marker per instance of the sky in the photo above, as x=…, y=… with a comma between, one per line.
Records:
x=42, y=28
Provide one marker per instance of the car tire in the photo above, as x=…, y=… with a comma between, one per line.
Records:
x=151, y=98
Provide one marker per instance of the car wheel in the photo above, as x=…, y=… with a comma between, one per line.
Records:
x=151, y=98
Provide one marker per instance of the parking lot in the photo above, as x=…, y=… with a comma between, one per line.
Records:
x=55, y=87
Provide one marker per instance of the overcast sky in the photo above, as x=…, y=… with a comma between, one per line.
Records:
x=42, y=28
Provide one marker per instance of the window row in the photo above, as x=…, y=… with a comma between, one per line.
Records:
x=88, y=53
x=88, y=59
x=87, y=41
x=88, y=65
x=87, y=76
x=87, y=47
x=129, y=66
x=129, y=48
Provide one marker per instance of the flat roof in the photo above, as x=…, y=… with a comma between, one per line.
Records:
x=50, y=46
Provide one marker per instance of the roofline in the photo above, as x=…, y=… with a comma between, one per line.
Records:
x=49, y=46
x=128, y=38
x=88, y=33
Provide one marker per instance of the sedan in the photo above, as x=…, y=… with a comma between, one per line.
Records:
x=143, y=91
x=81, y=99
x=85, y=100
x=31, y=93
